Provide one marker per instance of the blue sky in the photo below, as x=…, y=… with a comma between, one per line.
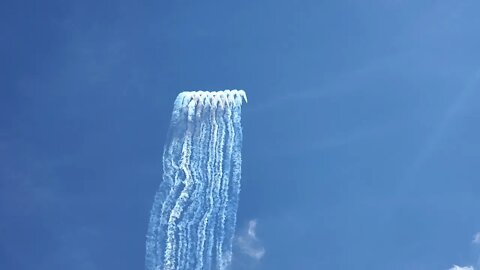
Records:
x=361, y=146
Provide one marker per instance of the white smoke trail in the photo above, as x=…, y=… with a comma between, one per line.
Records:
x=193, y=217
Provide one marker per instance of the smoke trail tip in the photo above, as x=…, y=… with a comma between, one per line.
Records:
x=243, y=95
x=213, y=98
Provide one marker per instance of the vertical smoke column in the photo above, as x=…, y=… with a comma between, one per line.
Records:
x=193, y=217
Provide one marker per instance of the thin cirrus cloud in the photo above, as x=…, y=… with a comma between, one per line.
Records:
x=476, y=238
x=248, y=242
x=456, y=267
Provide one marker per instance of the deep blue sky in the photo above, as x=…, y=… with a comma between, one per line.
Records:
x=361, y=135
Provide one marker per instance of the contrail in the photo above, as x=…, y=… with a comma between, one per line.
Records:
x=193, y=217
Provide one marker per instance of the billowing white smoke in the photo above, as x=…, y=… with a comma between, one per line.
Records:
x=193, y=217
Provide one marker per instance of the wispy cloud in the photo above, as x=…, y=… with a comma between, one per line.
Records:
x=475, y=241
x=456, y=108
x=456, y=267
x=476, y=238
x=248, y=242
